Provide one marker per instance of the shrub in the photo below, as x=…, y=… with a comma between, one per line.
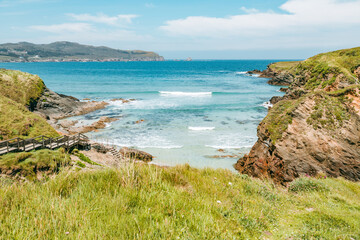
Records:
x=306, y=184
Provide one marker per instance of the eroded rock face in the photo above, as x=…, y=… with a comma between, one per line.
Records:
x=357, y=72
x=305, y=150
x=281, y=79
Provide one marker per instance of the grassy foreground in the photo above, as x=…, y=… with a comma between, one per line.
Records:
x=35, y=164
x=147, y=202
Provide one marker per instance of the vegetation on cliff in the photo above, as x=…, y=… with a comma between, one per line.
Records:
x=17, y=121
x=18, y=92
x=23, y=88
x=315, y=127
x=148, y=202
x=323, y=70
x=328, y=77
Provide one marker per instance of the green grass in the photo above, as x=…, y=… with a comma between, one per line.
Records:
x=322, y=70
x=279, y=117
x=23, y=88
x=307, y=184
x=80, y=164
x=17, y=121
x=29, y=164
x=147, y=202
x=86, y=159
x=329, y=112
x=283, y=66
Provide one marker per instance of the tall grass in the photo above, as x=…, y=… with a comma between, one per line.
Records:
x=148, y=202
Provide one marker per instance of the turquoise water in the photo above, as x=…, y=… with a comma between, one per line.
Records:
x=190, y=110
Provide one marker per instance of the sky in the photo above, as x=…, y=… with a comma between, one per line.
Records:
x=201, y=29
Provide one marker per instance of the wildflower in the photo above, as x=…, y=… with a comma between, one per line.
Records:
x=230, y=183
x=218, y=201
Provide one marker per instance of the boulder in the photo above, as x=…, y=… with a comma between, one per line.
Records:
x=135, y=154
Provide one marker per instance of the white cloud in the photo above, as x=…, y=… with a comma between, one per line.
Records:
x=65, y=27
x=249, y=10
x=105, y=19
x=302, y=16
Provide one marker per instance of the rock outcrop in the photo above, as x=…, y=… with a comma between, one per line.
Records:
x=135, y=154
x=315, y=127
x=280, y=74
x=52, y=105
x=70, y=127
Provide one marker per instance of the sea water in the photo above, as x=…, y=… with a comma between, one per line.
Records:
x=204, y=113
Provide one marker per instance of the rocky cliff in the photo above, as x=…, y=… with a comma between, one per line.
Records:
x=315, y=127
x=24, y=97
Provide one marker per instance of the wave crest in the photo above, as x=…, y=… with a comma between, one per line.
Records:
x=187, y=94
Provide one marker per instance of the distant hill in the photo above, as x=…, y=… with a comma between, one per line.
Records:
x=69, y=51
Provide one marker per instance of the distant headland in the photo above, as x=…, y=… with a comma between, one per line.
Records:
x=70, y=52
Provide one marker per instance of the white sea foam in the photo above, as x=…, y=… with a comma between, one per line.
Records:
x=158, y=144
x=187, y=94
x=241, y=73
x=228, y=146
x=201, y=128
x=267, y=105
x=163, y=147
x=145, y=104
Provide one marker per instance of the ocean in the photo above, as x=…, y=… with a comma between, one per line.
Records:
x=204, y=113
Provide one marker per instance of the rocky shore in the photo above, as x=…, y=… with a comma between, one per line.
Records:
x=315, y=128
x=54, y=106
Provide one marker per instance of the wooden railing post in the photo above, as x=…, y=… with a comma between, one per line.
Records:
x=24, y=145
x=7, y=146
x=18, y=143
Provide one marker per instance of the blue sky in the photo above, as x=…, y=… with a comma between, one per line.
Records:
x=203, y=29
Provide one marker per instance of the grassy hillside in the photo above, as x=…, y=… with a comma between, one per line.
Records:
x=325, y=70
x=283, y=66
x=25, y=51
x=19, y=86
x=17, y=121
x=33, y=165
x=147, y=202
x=18, y=91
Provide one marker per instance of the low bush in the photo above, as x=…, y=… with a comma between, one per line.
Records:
x=306, y=184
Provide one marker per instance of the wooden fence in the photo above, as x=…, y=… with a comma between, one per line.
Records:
x=22, y=145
